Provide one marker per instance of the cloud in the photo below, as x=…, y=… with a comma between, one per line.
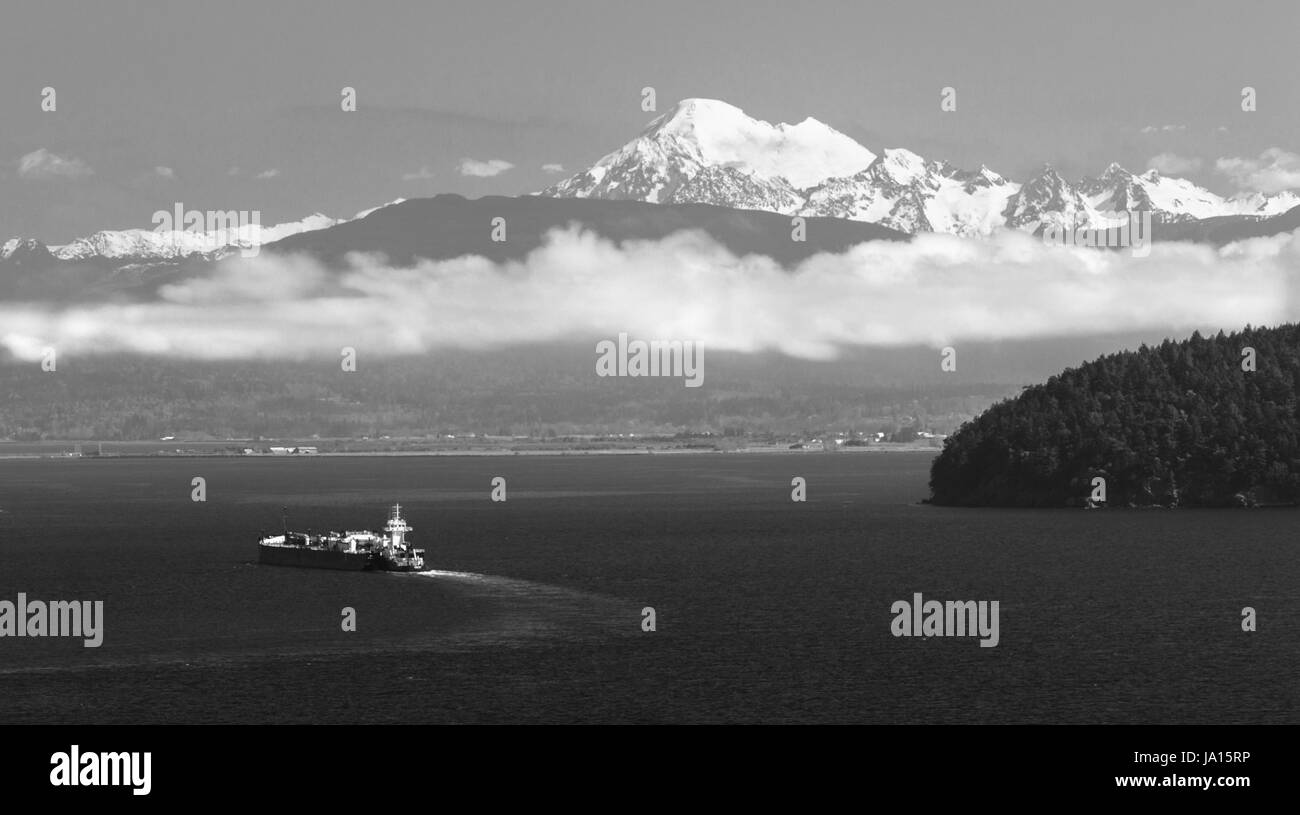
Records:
x=265, y=174
x=1275, y=170
x=422, y=174
x=44, y=164
x=1164, y=129
x=936, y=289
x=233, y=171
x=1171, y=164
x=552, y=168
x=155, y=176
x=484, y=169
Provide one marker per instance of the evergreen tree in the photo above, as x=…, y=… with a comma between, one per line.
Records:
x=1180, y=424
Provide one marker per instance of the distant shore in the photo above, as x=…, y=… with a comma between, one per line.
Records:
x=348, y=448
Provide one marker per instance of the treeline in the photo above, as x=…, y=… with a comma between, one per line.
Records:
x=1179, y=424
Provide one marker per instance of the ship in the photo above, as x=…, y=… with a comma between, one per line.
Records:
x=353, y=550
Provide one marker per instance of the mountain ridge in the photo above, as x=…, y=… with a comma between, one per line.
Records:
x=134, y=245
x=680, y=157
x=442, y=228
x=708, y=152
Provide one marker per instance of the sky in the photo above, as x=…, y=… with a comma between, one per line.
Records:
x=237, y=105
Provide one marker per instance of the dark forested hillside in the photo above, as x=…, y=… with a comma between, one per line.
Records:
x=1178, y=424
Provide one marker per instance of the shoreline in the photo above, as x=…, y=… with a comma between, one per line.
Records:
x=880, y=448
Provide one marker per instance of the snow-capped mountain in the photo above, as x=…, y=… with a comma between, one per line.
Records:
x=180, y=243
x=24, y=251
x=128, y=246
x=1047, y=198
x=1175, y=199
x=363, y=213
x=707, y=151
x=903, y=191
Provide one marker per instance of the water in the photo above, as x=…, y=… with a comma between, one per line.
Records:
x=767, y=610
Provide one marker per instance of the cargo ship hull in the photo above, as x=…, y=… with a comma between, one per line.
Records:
x=352, y=551
x=313, y=558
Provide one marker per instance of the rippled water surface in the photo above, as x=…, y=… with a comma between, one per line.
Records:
x=766, y=610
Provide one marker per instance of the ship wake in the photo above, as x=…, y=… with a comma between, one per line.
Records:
x=524, y=609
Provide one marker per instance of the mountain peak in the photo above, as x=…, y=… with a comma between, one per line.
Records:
x=20, y=251
x=686, y=113
x=1047, y=174
x=13, y=246
x=903, y=165
x=701, y=104
x=714, y=133
x=709, y=151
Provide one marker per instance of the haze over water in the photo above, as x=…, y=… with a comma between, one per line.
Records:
x=767, y=610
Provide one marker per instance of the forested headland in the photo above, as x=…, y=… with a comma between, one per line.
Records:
x=1209, y=421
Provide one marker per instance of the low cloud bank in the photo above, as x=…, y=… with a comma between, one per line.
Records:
x=936, y=289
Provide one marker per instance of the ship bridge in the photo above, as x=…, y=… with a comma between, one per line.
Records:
x=396, y=528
